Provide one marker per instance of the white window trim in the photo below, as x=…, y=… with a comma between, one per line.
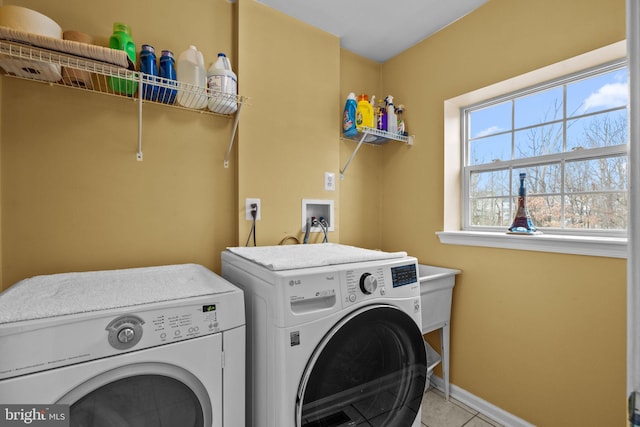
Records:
x=452, y=228
x=578, y=245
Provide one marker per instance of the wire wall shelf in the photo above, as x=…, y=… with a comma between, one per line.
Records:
x=62, y=69
x=375, y=137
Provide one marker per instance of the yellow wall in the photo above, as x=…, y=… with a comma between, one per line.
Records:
x=75, y=198
x=73, y=195
x=360, y=188
x=288, y=135
x=539, y=335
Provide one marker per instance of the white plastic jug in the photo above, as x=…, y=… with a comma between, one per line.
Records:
x=223, y=86
x=192, y=79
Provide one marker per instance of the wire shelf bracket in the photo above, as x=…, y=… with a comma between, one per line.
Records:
x=374, y=137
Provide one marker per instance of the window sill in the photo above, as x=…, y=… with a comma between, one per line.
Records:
x=578, y=245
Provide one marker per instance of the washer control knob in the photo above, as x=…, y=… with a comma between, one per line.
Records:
x=368, y=284
x=124, y=332
x=126, y=335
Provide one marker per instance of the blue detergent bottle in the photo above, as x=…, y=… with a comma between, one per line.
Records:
x=349, y=116
x=149, y=67
x=168, y=73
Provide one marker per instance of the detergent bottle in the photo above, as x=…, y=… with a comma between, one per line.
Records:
x=192, y=79
x=381, y=120
x=121, y=40
x=364, y=113
x=149, y=67
x=223, y=86
x=392, y=119
x=349, y=116
x=167, y=71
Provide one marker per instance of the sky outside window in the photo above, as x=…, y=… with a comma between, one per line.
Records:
x=541, y=107
x=603, y=92
x=584, y=97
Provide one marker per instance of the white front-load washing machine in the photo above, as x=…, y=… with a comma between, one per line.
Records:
x=143, y=347
x=333, y=335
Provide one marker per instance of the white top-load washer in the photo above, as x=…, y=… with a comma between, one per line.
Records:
x=333, y=335
x=157, y=346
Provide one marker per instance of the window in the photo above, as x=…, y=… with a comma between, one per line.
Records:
x=570, y=138
x=499, y=140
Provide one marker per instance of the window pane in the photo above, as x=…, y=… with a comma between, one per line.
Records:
x=490, y=149
x=603, y=211
x=490, y=120
x=600, y=130
x=538, y=141
x=541, y=179
x=602, y=92
x=490, y=212
x=545, y=211
x=608, y=173
x=487, y=184
x=538, y=108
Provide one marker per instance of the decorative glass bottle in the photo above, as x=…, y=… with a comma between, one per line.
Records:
x=522, y=223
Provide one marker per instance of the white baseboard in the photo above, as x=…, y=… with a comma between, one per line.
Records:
x=490, y=410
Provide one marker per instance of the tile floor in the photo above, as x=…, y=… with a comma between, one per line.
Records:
x=437, y=412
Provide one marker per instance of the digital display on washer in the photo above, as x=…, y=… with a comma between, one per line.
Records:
x=208, y=308
x=404, y=275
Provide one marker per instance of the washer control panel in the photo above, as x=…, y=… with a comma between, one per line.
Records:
x=163, y=327
x=392, y=279
x=360, y=284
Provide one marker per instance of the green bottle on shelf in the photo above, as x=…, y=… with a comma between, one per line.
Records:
x=121, y=40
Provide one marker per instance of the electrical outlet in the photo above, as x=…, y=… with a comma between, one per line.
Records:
x=330, y=181
x=248, y=203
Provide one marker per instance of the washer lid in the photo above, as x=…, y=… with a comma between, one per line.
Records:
x=289, y=257
x=71, y=293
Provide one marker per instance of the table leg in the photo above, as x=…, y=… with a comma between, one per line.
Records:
x=444, y=351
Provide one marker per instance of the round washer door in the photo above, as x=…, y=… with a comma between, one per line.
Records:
x=141, y=395
x=371, y=366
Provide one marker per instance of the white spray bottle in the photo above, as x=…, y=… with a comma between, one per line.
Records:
x=392, y=119
x=402, y=129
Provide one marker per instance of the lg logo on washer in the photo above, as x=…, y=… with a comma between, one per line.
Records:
x=36, y=415
x=296, y=282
